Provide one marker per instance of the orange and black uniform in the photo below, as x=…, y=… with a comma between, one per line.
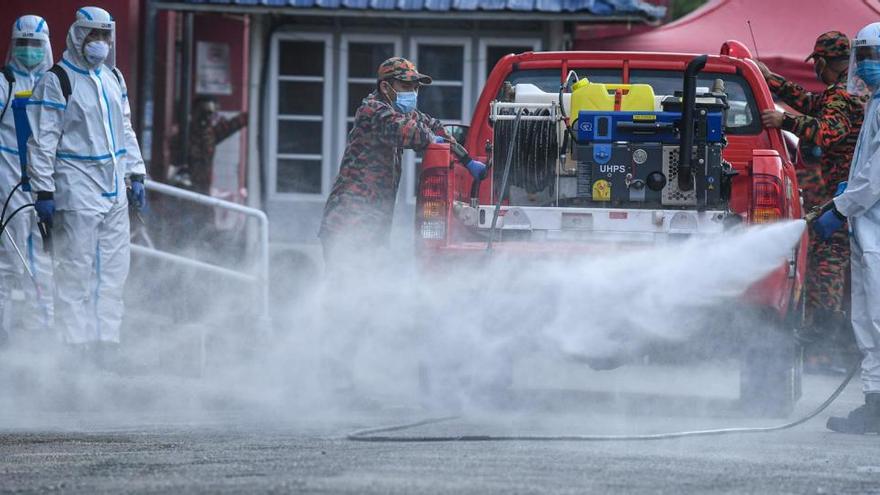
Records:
x=360, y=207
x=831, y=121
x=204, y=135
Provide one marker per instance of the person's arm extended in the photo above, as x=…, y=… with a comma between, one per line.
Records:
x=227, y=127
x=134, y=162
x=830, y=127
x=793, y=94
x=405, y=130
x=436, y=126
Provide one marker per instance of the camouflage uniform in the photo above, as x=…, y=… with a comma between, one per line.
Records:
x=203, y=139
x=360, y=208
x=831, y=121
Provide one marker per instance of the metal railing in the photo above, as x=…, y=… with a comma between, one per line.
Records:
x=260, y=279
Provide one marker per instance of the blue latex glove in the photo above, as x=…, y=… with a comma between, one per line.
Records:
x=45, y=210
x=841, y=186
x=136, y=194
x=477, y=169
x=830, y=222
x=439, y=140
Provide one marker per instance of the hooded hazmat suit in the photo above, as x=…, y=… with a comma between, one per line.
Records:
x=860, y=203
x=81, y=151
x=29, y=57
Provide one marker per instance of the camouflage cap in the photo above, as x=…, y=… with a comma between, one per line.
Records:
x=401, y=69
x=831, y=45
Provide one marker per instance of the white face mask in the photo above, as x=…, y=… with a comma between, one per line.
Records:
x=96, y=52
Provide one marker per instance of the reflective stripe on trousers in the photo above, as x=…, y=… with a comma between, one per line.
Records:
x=89, y=289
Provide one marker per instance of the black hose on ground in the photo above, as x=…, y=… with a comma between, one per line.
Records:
x=376, y=434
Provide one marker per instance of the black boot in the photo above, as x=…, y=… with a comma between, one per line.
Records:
x=864, y=419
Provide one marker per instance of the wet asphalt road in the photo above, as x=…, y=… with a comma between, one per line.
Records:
x=235, y=451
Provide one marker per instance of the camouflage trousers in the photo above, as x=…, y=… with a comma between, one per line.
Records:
x=827, y=272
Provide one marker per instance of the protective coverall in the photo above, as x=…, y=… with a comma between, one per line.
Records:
x=860, y=205
x=81, y=150
x=23, y=262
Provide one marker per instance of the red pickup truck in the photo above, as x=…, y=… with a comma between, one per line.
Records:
x=554, y=202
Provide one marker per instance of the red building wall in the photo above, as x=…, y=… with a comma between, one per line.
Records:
x=168, y=110
x=231, y=30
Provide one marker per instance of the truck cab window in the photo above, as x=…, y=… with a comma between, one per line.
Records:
x=742, y=117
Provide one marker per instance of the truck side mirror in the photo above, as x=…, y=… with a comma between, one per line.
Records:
x=457, y=131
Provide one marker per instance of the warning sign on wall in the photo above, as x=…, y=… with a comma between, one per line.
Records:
x=212, y=69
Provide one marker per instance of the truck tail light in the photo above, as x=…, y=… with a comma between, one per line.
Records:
x=432, y=205
x=768, y=202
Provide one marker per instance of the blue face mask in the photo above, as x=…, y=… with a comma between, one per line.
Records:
x=28, y=56
x=407, y=102
x=869, y=71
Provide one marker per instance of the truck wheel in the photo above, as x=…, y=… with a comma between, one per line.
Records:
x=771, y=370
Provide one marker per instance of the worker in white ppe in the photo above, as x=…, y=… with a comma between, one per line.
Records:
x=23, y=263
x=81, y=153
x=859, y=204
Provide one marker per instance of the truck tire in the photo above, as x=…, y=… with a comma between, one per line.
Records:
x=771, y=372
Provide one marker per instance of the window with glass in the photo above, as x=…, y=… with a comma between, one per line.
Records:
x=742, y=116
x=493, y=52
x=447, y=98
x=444, y=98
x=301, y=105
x=548, y=79
x=363, y=58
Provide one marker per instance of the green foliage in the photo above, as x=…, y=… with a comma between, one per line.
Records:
x=679, y=8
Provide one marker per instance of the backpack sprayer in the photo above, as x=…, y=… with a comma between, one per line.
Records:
x=22, y=134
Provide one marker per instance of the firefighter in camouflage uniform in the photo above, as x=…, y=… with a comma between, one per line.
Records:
x=828, y=129
x=206, y=131
x=360, y=208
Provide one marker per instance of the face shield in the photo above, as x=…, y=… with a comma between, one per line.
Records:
x=864, y=62
x=30, y=51
x=91, y=40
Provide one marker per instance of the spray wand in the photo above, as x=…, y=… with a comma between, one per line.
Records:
x=818, y=211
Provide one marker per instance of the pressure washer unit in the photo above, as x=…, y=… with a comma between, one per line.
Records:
x=655, y=159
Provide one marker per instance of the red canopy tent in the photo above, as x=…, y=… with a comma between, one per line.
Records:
x=785, y=31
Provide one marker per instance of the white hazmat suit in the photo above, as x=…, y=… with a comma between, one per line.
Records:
x=82, y=149
x=23, y=263
x=860, y=203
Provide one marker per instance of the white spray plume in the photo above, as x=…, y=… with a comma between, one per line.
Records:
x=466, y=324
x=470, y=322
